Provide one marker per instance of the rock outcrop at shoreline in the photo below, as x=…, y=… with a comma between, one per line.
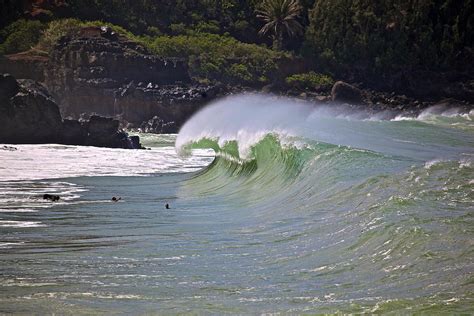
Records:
x=344, y=92
x=29, y=115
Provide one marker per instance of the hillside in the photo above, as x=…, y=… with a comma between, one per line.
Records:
x=420, y=51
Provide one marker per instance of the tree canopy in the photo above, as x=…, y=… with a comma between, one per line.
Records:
x=337, y=36
x=280, y=16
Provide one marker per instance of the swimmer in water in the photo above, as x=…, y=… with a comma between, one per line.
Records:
x=50, y=197
x=114, y=199
x=167, y=206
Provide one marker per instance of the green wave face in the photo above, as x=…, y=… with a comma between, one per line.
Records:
x=358, y=215
x=286, y=161
x=276, y=167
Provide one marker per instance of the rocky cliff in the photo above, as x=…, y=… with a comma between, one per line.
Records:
x=101, y=72
x=25, y=65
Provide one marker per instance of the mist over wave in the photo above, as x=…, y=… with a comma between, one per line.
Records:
x=248, y=119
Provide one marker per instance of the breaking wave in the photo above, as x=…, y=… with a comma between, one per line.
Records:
x=381, y=206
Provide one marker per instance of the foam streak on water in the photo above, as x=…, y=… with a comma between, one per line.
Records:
x=59, y=161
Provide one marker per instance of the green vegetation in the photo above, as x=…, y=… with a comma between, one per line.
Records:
x=211, y=57
x=219, y=57
x=385, y=36
x=309, y=81
x=20, y=36
x=173, y=17
x=220, y=38
x=57, y=29
x=280, y=16
x=23, y=34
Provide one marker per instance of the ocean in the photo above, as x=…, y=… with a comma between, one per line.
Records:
x=276, y=206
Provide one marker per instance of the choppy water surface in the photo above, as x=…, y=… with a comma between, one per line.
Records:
x=276, y=206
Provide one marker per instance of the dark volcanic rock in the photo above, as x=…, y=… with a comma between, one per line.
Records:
x=429, y=85
x=100, y=72
x=8, y=86
x=158, y=125
x=98, y=131
x=103, y=132
x=102, y=125
x=24, y=65
x=73, y=132
x=344, y=92
x=28, y=115
x=170, y=103
x=135, y=142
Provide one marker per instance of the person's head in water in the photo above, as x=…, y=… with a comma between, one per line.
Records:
x=50, y=197
x=115, y=199
x=167, y=206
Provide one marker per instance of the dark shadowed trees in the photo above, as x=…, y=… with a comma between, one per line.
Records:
x=280, y=17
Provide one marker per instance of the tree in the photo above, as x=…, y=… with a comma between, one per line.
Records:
x=280, y=16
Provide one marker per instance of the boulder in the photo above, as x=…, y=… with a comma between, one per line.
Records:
x=28, y=116
x=102, y=125
x=135, y=142
x=8, y=86
x=73, y=132
x=103, y=132
x=344, y=92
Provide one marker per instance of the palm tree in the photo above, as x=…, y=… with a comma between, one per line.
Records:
x=279, y=17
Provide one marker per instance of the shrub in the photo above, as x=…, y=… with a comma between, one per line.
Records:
x=241, y=26
x=240, y=73
x=153, y=31
x=68, y=27
x=211, y=26
x=236, y=62
x=20, y=36
x=178, y=28
x=309, y=81
x=56, y=30
x=208, y=70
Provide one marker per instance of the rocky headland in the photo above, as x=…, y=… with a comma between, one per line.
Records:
x=29, y=115
x=101, y=72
